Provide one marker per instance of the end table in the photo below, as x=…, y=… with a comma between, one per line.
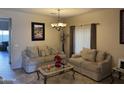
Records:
x=119, y=71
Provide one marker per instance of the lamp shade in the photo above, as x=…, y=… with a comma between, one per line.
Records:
x=58, y=26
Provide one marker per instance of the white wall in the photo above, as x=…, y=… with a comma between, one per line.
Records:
x=107, y=32
x=21, y=33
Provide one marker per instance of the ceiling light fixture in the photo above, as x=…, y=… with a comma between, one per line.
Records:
x=59, y=25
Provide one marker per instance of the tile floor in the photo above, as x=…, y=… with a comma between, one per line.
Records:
x=5, y=70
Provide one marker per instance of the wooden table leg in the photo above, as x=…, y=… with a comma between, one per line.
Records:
x=38, y=75
x=112, y=77
x=45, y=79
x=119, y=75
x=73, y=73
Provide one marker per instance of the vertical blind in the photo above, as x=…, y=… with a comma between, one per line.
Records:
x=82, y=37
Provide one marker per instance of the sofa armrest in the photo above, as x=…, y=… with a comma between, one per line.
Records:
x=75, y=55
x=106, y=65
x=25, y=58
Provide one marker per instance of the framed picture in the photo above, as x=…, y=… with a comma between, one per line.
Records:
x=38, y=31
x=121, y=26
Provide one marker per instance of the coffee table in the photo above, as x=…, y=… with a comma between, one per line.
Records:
x=53, y=70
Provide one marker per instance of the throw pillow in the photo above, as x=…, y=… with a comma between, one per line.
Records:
x=88, y=54
x=40, y=49
x=43, y=53
x=52, y=51
x=100, y=56
x=32, y=51
x=76, y=55
x=47, y=52
x=61, y=52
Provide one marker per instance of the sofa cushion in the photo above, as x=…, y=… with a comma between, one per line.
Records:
x=100, y=56
x=91, y=66
x=49, y=58
x=76, y=61
x=47, y=51
x=52, y=51
x=32, y=51
x=62, y=56
x=76, y=55
x=88, y=54
x=44, y=51
x=40, y=51
x=35, y=61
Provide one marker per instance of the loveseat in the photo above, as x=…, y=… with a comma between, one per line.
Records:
x=35, y=56
x=95, y=64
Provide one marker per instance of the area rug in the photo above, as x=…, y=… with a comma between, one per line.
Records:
x=66, y=78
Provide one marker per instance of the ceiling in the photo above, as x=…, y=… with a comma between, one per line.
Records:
x=64, y=12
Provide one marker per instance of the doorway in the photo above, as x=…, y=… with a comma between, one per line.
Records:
x=6, y=71
x=5, y=36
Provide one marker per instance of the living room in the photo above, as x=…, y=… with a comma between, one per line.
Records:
x=107, y=35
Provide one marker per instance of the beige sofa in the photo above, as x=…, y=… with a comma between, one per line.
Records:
x=98, y=69
x=33, y=57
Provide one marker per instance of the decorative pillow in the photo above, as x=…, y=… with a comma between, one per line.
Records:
x=61, y=52
x=76, y=55
x=100, y=56
x=40, y=50
x=52, y=51
x=32, y=51
x=88, y=54
x=47, y=51
x=43, y=53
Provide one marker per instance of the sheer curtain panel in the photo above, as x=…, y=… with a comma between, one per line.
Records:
x=82, y=37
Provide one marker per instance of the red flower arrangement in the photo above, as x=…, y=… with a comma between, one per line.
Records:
x=58, y=60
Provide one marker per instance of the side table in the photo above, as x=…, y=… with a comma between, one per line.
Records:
x=119, y=71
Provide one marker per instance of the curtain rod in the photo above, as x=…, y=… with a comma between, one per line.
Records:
x=89, y=24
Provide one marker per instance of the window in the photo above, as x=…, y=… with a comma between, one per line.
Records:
x=82, y=38
x=4, y=35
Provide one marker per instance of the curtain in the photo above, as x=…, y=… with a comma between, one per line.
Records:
x=72, y=32
x=82, y=37
x=93, y=36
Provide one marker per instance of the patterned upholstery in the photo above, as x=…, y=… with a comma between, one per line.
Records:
x=40, y=55
x=96, y=70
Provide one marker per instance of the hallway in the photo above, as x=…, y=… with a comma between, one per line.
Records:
x=5, y=70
